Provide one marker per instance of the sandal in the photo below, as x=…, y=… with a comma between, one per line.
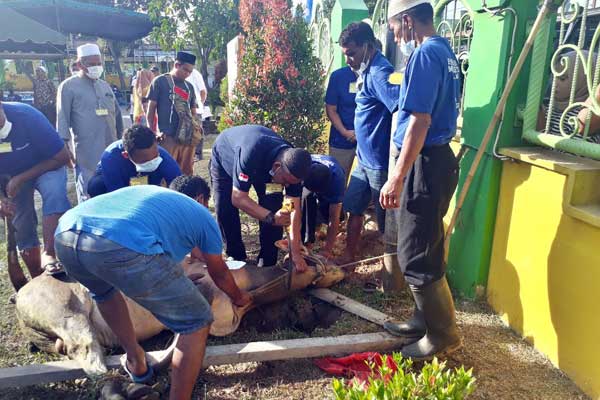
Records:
x=371, y=286
x=145, y=378
x=54, y=268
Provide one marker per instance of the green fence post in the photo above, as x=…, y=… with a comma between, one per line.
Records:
x=489, y=59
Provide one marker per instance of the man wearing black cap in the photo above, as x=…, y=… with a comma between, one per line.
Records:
x=253, y=155
x=174, y=101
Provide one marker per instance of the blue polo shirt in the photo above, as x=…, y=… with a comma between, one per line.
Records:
x=341, y=92
x=247, y=153
x=31, y=139
x=431, y=86
x=376, y=100
x=147, y=219
x=117, y=170
x=337, y=183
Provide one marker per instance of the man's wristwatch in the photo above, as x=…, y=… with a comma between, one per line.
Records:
x=269, y=219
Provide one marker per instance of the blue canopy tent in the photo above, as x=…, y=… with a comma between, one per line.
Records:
x=69, y=16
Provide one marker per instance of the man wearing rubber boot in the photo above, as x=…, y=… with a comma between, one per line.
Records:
x=424, y=177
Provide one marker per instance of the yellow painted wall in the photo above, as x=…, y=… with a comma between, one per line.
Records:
x=544, y=276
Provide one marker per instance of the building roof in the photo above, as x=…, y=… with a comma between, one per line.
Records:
x=69, y=16
x=24, y=35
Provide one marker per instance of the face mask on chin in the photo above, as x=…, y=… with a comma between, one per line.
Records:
x=361, y=70
x=407, y=48
x=94, y=72
x=148, y=166
x=5, y=130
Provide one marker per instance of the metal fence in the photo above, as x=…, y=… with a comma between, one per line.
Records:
x=320, y=30
x=454, y=21
x=563, y=102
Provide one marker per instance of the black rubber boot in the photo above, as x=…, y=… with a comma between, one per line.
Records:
x=413, y=328
x=435, y=301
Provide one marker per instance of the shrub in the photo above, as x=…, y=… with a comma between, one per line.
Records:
x=280, y=81
x=433, y=382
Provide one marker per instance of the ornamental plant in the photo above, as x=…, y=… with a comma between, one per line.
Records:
x=433, y=382
x=280, y=81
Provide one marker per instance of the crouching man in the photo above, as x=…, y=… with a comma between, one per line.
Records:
x=322, y=201
x=132, y=241
x=33, y=157
x=254, y=156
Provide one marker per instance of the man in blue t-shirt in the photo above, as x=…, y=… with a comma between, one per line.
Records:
x=340, y=103
x=137, y=159
x=131, y=241
x=376, y=99
x=323, y=194
x=33, y=157
x=254, y=156
x=425, y=176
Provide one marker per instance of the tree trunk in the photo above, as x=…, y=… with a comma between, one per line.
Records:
x=203, y=56
x=117, y=60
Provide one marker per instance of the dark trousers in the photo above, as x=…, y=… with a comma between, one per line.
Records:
x=229, y=217
x=314, y=211
x=428, y=189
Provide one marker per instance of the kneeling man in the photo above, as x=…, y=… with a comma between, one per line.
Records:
x=132, y=241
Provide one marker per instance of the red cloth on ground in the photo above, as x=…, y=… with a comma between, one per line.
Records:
x=355, y=365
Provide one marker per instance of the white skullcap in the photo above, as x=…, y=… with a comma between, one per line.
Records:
x=42, y=68
x=88, y=49
x=396, y=7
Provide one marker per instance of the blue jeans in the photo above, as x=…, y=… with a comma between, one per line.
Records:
x=52, y=187
x=155, y=282
x=365, y=185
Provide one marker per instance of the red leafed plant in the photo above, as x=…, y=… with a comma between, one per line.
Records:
x=280, y=81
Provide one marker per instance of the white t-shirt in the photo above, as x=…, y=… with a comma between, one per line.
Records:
x=197, y=82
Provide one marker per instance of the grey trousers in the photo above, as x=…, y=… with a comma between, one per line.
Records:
x=345, y=157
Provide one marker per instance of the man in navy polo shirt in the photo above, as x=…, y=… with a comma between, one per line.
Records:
x=135, y=160
x=253, y=155
x=323, y=194
x=34, y=157
x=425, y=177
x=376, y=99
x=340, y=105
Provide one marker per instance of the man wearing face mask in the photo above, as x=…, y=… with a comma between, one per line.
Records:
x=424, y=178
x=254, y=156
x=376, y=99
x=135, y=160
x=34, y=157
x=88, y=115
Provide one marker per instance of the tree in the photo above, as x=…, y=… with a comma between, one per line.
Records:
x=116, y=47
x=204, y=25
x=280, y=81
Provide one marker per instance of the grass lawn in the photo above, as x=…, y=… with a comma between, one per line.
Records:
x=506, y=367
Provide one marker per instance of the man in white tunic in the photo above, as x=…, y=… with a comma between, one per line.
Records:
x=88, y=115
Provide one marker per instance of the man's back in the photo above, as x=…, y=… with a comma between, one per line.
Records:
x=147, y=219
x=31, y=140
x=375, y=101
